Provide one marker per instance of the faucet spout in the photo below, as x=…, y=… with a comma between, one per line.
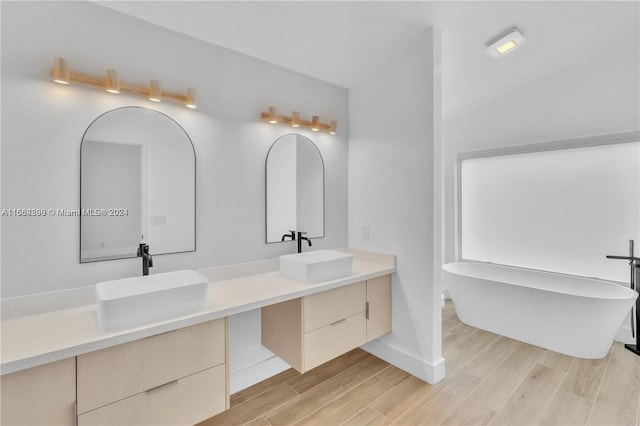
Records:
x=300, y=238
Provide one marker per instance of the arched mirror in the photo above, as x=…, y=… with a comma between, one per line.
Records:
x=294, y=188
x=137, y=185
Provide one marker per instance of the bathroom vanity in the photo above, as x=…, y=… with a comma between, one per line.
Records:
x=311, y=330
x=58, y=367
x=134, y=383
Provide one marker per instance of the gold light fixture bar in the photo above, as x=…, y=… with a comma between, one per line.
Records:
x=111, y=83
x=295, y=121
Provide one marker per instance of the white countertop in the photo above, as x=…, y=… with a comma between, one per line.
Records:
x=32, y=340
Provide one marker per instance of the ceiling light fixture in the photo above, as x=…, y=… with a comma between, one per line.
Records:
x=295, y=121
x=61, y=73
x=505, y=43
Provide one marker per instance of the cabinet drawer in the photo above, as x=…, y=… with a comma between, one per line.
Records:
x=118, y=372
x=185, y=402
x=327, y=307
x=332, y=340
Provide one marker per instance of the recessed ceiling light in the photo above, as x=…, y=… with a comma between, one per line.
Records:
x=505, y=43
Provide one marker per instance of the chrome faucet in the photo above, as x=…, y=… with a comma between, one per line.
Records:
x=300, y=238
x=147, y=259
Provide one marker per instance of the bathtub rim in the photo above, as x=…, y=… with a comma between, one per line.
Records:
x=620, y=285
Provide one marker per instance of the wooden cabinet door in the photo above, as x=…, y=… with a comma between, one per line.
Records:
x=329, y=306
x=118, y=372
x=333, y=340
x=312, y=330
x=43, y=395
x=378, y=307
x=182, y=402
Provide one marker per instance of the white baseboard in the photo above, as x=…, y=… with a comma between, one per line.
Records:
x=249, y=376
x=431, y=373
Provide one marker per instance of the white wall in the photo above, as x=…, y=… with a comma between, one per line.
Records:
x=562, y=210
x=393, y=167
x=595, y=96
x=43, y=123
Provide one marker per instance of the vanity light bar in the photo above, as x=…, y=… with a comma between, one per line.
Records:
x=61, y=73
x=295, y=121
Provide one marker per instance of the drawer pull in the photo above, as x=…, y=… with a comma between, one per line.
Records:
x=160, y=334
x=161, y=386
x=338, y=322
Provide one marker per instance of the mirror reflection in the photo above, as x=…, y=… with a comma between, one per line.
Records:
x=137, y=185
x=294, y=188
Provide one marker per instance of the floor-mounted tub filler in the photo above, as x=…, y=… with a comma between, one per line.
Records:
x=634, y=281
x=567, y=314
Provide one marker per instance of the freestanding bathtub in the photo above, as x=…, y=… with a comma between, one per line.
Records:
x=564, y=313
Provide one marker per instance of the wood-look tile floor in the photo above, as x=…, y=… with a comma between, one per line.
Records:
x=491, y=380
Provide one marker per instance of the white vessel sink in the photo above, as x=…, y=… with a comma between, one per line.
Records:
x=316, y=266
x=140, y=300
